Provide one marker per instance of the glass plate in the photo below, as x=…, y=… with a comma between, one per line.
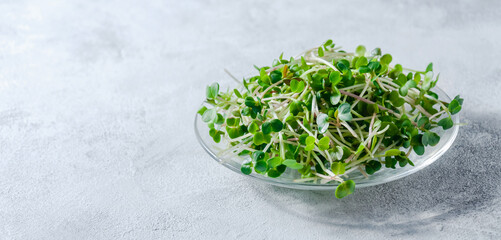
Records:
x=290, y=177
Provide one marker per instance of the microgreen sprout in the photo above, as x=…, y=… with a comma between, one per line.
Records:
x=327, y=113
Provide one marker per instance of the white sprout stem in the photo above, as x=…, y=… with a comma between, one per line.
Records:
x=334, y=139
x=324, y=62
x=369, y=102
x=269, y=144
x=322, y=165
x=359, y=132
x=347, y=126
x=363, y=172
x=256, y=90
x=341, y=136
x=381, y=85
x=413, y=103
x=361, y=95
x=270, y=87
x=360, y=119
x=382, y=131
x=313, y=103
x=437, y=114
x=358, y=86
x=282, y=150
x=277, y=97
x=440, y=103
x=233, y=77
x=377, y=146
x=370, y=128
x=241, y=137
x=305, y=129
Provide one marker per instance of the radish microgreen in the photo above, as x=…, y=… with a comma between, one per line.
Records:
x=328, y=113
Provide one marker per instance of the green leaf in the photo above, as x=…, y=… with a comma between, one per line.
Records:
x=386, y=59
x=304, y=65
x=322, y=122
x=454, y=106
x=362, y=61
x=373, y=66
x=376, y=52
x=291, y=120
x=338, y=168
x=202, y=110
x=275, y=76
x=246, y=168
x=261, y=167
x=309, y=147
x=335, y=78
x=430, y=138
x=328, y=43
x=260, y=138
x=297, y=86
x=344, y=112
x=323, y=143
x=372, y=166
x=234, y=132
x=392, y=152
x=320, y=52
x=250, y=102
x=310, y=140
x=418, y=149
x=212, y=91
x=401, y=80
x=237, y=93
x=266, y=128
x=345, y=188
x=253, y=127
x=459, y=99
x=445, y=123
x=295, y=108
x=427, y=81
x=337, y=153
x=360, y=148
x=402, y=161
x=417, y=78
x=364, y=69
x=429, y=68
x=291, y=163
x=233, y=122
x=405, y=88
x=276, y=125
x=212, y=132
x=258, y=156
x=210, y=115
x=335, y=96
x=263, y=76
x=343, y=67
x=395, y=99
x=423, y=121
x=360, y=51
x=274, y=173
x=274, y=162
x=310, y=143
x=303, y=137
x=219, y=119
x=390, y=162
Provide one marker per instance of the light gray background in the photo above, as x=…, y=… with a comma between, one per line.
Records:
x=97, y=100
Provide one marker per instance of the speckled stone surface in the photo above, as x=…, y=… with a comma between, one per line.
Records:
x=97, y=100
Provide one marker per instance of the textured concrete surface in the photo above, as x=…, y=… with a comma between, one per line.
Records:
x=97, y=100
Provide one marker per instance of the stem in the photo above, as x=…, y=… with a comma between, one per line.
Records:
x=367, y=101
